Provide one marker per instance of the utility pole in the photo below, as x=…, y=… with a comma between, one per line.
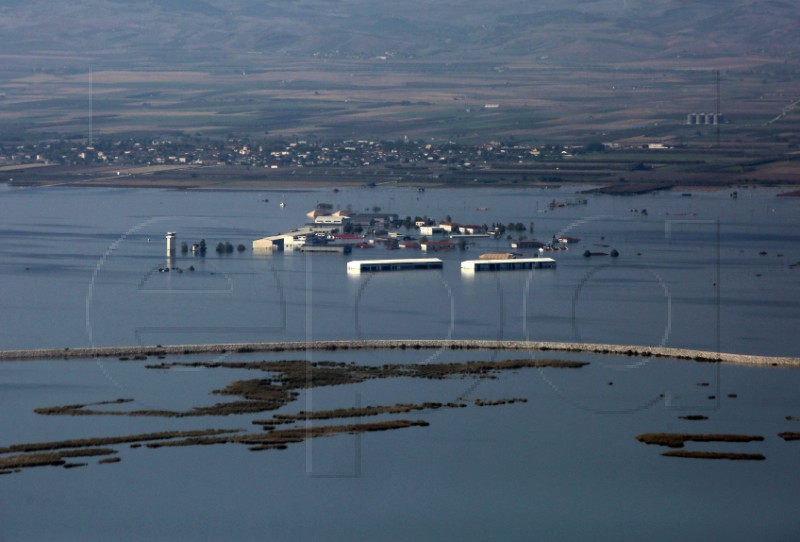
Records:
x=91, y=104
x=717, y=116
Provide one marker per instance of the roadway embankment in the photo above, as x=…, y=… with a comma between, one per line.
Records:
x=133, y=352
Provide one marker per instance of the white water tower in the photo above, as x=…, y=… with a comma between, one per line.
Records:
x=170, y=244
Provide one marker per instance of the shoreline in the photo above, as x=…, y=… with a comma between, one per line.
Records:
x=591, y=175
x=267, y=185
x=296, y=346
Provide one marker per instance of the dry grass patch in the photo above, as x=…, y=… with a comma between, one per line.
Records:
x=281, y=438
x=498, y=402
x=290, y=376
x=714, y=455
x=109, y=441
x=355, y=412
x=677, y=440
x=49, y=459
x=280, y=385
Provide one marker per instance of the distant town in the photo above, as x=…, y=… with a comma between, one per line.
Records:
x=633, y=167
x=276, y=154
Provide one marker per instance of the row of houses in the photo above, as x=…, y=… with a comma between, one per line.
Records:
x=385, y=220
x=339, y=227
x=302, y=238
x=343, y=218
x=453, y=228
x=326, y=228
x=311, y=233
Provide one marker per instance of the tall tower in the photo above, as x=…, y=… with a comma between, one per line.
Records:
x=717, y=113
x=170, y=244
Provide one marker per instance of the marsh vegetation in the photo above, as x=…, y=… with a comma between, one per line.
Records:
x=280, y=386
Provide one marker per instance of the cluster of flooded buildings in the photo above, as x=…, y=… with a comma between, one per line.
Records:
x=335, y=232
x=339, y=231
x=327, y=232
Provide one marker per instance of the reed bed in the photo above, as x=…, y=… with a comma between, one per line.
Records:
x=677, y=440
x=714, y=455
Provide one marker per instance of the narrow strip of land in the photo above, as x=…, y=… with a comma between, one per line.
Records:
x=234, y=348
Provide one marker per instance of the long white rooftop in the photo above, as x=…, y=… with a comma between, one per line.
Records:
x=393, y=265
x=508, y=265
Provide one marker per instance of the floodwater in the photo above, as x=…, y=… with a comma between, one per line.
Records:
x=80, y=267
